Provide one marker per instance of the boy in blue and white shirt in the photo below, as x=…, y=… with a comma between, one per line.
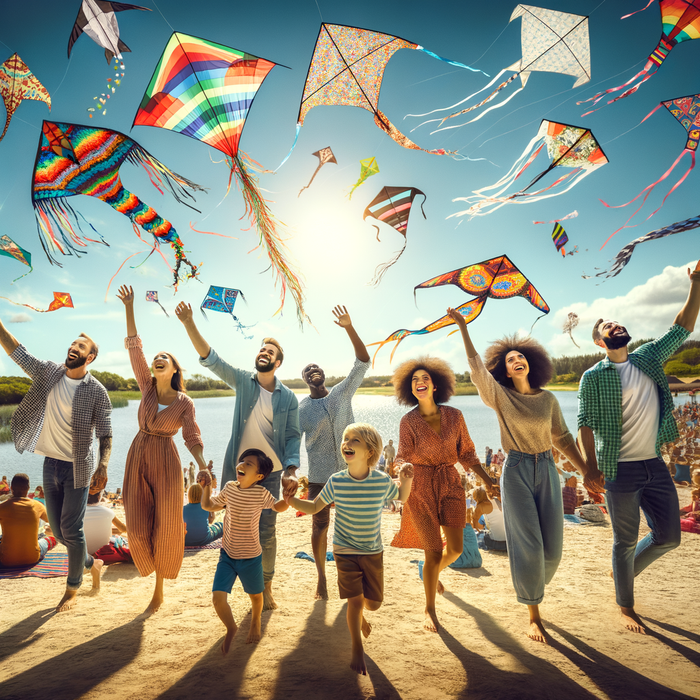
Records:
x=359, y=493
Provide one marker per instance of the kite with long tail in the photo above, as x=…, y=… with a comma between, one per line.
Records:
x=205, y=90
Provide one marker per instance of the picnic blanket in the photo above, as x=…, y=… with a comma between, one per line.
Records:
x=216, y=544
x=53, y=565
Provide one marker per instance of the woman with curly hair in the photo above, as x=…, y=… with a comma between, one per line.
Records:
x=510, y=381
x=433, y=438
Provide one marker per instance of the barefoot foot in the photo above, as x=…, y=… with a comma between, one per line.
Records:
x=631, y=621
x=536, y=632
x=440, y=587
x=96, y=571
x=254, y=633
x=268, y=600
x=321, y=590
x=68, y=601
x=154, y=605
x=431, y=623
x=230, y=634
x=366, y=628
x=357, y=663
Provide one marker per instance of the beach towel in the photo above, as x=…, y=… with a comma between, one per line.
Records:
x=53, y=565
x=690, y=525
x=308, y=557
x=216, y=544
x=470, y=558
x=574, y=520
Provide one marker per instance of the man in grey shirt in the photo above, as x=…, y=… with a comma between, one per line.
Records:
x=323, y=416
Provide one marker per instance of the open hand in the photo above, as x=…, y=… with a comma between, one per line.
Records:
x=695, y=274
x=290, y=484
x=184, y=312
x=342, y=317
x=456, y=317
x=126, y=294
x=406, y=471
x=204, y=478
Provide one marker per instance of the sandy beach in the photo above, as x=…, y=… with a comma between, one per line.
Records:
x=104, y=648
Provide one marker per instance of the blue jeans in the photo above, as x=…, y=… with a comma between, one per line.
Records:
x=65, y=506
x=268, y=527
x=646, y=484
x=534, y=518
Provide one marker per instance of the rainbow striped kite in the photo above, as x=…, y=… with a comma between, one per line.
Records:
x=205, y=90
x=559, y=238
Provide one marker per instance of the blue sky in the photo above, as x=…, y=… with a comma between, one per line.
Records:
x=333, y=248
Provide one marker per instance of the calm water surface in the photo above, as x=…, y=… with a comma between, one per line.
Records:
x=215, y=418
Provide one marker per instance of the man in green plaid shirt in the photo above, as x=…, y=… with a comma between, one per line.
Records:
x=624, y=416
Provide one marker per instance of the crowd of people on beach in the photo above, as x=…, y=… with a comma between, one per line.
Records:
x=625, y=415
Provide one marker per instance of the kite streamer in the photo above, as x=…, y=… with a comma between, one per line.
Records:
x=191, y=77
x=567, y=146
x=18, y=83
x=680, y=21
x=573, y=215
x=74, y=159
x=571, y=322
x=60, y=299
x=497, y=278
x=393, y=206
x=552, y=41
x=9, y=248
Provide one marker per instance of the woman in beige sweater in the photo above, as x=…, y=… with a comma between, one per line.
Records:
x=531, y=422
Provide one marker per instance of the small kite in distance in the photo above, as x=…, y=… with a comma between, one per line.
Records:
x=393, y=206
x=153, y=296
x=368, y=167
x=324, y=155
x=60, y=299
x=569, y=325
x=9, y=248
x=18, y=83
x=559, y=238
x=223, y=299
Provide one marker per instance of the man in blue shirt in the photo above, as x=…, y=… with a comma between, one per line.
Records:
x=323, y=416
x=625, y=415
x=266, y=417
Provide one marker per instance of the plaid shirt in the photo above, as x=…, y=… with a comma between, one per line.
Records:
x=600, y=398
x=91, y=410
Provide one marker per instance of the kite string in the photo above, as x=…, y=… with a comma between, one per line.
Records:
x=163, y=16
x=319, y=10
x=53, y=94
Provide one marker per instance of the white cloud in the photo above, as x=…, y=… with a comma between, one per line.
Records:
x=21, y=318
x=647, y=311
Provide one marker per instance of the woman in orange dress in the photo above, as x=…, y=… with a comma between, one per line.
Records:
x=153, y=474
x=433, y=438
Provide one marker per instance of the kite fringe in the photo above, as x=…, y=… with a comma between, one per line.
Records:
x=212, y=233
x=296, y=138
x=451, y=62
x=382, y=269
x=260, y=215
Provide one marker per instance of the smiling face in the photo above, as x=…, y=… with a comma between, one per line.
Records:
x=266, y=359
x=354, y=449
x=79, y=353
x=422, y=386
x=613, y=335
x=163, y=366
x=313, y=375
x=247, y=474
x=516, y=364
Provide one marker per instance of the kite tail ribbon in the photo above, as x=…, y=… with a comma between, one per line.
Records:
x=286, y=158
x=380, y=119
x=381, y=269
x=451, y=62
x=29, y=306
x=398, y=336
x=10, y=112
x=306, y=187
x=262, y=218
x=31, y=269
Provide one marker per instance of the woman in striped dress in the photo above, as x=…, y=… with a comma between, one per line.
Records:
x=153, y=475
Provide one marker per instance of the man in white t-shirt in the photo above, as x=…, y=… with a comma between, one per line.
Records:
x=625, y=416
x=57, y=418
x=265, y=417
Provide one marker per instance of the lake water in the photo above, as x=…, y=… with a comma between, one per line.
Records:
x=215, y=419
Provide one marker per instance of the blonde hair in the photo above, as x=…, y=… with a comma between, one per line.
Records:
x=479, y=495
x=194, y=495
x=372, y=439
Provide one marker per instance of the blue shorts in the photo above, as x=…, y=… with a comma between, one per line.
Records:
x=250, y=572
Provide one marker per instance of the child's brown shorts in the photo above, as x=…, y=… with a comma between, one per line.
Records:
x=361, y=574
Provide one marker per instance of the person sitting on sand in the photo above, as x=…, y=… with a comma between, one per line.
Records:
x=4, y=486
x=20, y=544
x=241, y=552
x=39, y=494
x=491, y=509
x=569, y=496
x=359, y=493
x=98, y=523
x=64, y=409
x=389, y=455
x=201, y=528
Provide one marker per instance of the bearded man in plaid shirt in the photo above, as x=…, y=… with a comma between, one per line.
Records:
x=57, y=418
x=624, y=417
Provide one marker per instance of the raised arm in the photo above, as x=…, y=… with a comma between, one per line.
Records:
x=7, y=340
x=184, y=312
x=342, y=319
x=462, y=324
x=689, y=313
x=126, y=295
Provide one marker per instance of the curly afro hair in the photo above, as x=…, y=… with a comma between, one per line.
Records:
x=440, y=372
x=541, y=368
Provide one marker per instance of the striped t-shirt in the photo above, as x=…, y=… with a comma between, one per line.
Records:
x=358, y=510
x=242, y=519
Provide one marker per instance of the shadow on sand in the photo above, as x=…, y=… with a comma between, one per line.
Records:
x=22, y=634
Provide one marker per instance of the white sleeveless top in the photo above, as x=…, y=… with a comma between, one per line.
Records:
x=494, y=521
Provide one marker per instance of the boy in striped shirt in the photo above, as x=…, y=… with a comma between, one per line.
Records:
x=359, y=493
x=241, y=553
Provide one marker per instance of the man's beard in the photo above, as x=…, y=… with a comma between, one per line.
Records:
x=264, y=367
x=617, y=341
x=75, y=363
